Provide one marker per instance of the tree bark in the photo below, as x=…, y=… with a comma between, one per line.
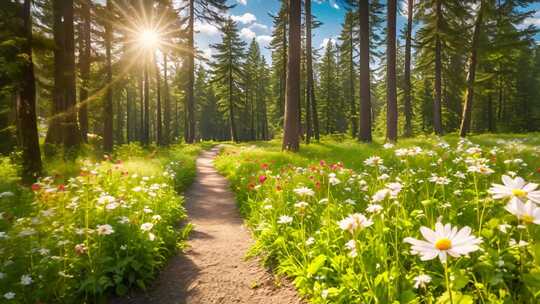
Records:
x=469, y=95
x=437, y=119
x=146, y=125
x=166, y=101
x=70, y=130
x=309, y=72
x=391, y=91
x=365, y=93
x=354, y=117
x=84, y=62
x=26, y=106
x=108, y=103
x=159, y=122
x=190, y=100
x=407, y=71
x=291, y=127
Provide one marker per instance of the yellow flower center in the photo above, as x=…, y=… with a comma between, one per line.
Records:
x=527, y=219
x=443, y=244
x=519, y=192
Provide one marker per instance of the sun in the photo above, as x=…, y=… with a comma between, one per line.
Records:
x=149, y=38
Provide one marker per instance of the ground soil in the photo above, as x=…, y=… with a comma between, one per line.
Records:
x=214, y=269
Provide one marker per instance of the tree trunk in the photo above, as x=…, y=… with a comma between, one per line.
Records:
x=291, y=128
x=166, y=101
x=26, y=106
x=146, y=125
x=309, y=72
x=365, y=93
x=491, y=123
x=70, y=130
x=54, y=132
x=437, y=119
x=234, y=134
x=469, y=95
x=391, y=91
x=108, y=103
x=407, y=71
x=141, y=103
x=129, y=111
x=190, y=101
x=159, y=123
x=84, y=62
x=354, y=117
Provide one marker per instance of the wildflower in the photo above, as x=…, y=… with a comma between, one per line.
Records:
x=147, y=210
x=6, y=194
x=285, y=219
x=373, y=161
x=106, y=199
x=136, y=189
x=9, y=295
x=301, y=205
x=262, y=179
x=310, y=241
x=444, y=240
x=420, y=281
x=156, y=217
x=374, y=208
x=147, y=227
x=151, y=236
x=394, y=188
x=123, y=220
x=36, y=187
x=112, y=206
x=388, y=145
x=105, y=229
x=81, y=249
x=351, y=246
x=3, y=235
x=2, y=275
x=27, y=232
x=350, y=202
x=380, y=195
x=528, y=213
x=354, y=222
x=503, y=228
x=439, y=180
x=304, y=191
x=480, y=168
x=515, y=189
x=26, y=279
x=333, y=180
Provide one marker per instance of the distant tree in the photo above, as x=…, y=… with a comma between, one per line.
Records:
x=347, y=66
x=108, y=102
x=84, y=64
x=278, y=45
x=365, y=82
x=407, y=98
x=330, y=106
x=227, y=72
x=312, y=119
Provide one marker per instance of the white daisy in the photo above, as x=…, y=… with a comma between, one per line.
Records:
x=529, y=213
x=147, y=227
x=354, y=222
x=443, y=241
x=285, y=219
x=104, y=229
x=515, y=189
x=9, y=295
x=26, y=279
x=304, y=191
x=420, y=281
x=373, y=161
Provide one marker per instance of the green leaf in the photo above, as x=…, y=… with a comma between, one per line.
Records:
x=316, y=264
x=457, y=298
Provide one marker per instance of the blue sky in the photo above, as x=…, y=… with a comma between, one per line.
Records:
x=253, y=21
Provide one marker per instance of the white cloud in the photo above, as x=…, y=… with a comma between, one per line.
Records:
x=404, y=8
x=245, y=18
x=334, y=4
x=206, y=28
x=243, y=2
x=259, y=26
x=247, y=34
x=207, y=53
x=325, y=42
x=264, y=40
x=535, y=20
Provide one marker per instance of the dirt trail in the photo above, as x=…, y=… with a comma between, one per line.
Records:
x=213, y=269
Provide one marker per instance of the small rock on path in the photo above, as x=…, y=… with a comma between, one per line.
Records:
x=213, y=269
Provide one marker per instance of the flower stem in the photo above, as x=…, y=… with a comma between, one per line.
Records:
x=446, y=278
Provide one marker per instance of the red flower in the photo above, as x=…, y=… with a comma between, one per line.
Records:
x=61, y=187
x=262, y=179
x=36, y=187
x=322, y=163
x=318, y=185
x=264, y=166
x=538, y=170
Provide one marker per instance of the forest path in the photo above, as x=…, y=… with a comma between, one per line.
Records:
x=213, y=269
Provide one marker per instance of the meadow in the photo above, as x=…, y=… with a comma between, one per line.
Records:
x=428, y=220
x=94, y=226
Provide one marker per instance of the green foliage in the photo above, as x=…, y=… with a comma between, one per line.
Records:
x=295, y=204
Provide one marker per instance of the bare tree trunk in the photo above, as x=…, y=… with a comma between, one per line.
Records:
x=234, y=134
x=167, y=102
x=26, y=106
x=190, y=110
x=469, y=95
x=70, y=130
x=391, y=91
x=108, y=104
x=437, y=119
x=158, y=109
x=54, y=132
x=291, y=127
x=309, y=72
x=407, y=71
x=84, y=61
x=354, y=114
x=365, y=86
x=146, y=125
